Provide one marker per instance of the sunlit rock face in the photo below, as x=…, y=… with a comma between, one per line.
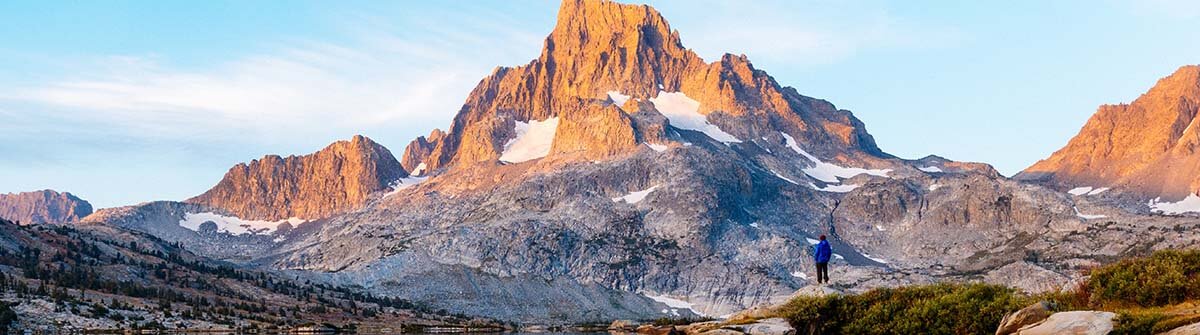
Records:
x=1148, y=147
x=334, y=180
x=602, y=47
x=45, y=206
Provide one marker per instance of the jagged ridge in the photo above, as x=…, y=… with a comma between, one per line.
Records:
x=45, y=206
x=600, y=46
x=335, y=179
x=1148, y=146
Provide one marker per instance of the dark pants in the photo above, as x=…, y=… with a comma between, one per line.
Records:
x=823, y=272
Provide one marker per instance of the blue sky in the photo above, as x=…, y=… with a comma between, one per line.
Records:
x=128, y=101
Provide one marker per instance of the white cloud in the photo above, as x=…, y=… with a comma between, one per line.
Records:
x=411, y=81
x=79, y=121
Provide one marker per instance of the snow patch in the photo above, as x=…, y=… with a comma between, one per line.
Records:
x=234, y=225
x=618, y=98
x=683, y=112
x=934, y=187
x=839, y=257
x=835, y=188
x=533, y=140
x=1098, y=191
x=419, y=170
x=636, y=196
x=657, y=147
x=880, y=228
x=812, y=241
x=878, y=260
x=800, y=274
x=673, y=303
x=1087, y=216
x=1080, y=190
x=930, y=169
x=754, y=224
x=404, y=183
x=784, y=178
x=1187, y=205
x=827, y=172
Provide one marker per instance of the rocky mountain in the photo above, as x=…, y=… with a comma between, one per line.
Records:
x=45, y=206
x=1148, y=147
x=620, y=166
x=611, y=76
x=335, y=179
x=621, y=176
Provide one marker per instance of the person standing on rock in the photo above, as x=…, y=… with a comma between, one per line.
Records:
x=821, y=254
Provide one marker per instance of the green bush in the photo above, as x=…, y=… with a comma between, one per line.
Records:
x=932, y=309
x=1136, y=323
x=1166, y=277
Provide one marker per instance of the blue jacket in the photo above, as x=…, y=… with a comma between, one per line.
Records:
x=822, y=252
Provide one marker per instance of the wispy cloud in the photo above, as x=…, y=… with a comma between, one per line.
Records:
x=383, y=76
x=121, y=129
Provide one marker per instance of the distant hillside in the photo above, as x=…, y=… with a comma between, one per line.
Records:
x=45, y=206
x=98, y=276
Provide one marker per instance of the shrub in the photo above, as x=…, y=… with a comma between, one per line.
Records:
x=1166, y=277
x=1136, y=323
x=1150, y=321
x=932, y=309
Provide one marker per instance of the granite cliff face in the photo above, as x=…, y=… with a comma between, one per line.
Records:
x=1148, y=147
x=418, y=150
x=45, y=206
x=335, y=179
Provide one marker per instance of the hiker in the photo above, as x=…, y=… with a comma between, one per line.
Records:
x=821, y=253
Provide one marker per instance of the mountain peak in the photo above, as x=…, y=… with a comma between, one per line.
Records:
x=1184, y=84
x=603, y=23
x=44, y=206
x=600, y=49
x=335, y=179
x=1150, y=146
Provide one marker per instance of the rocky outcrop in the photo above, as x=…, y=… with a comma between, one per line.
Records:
x=334, y=180
x=162, y=219
x=948, y=222
x=772, y=326
x=45, y=206
x=419, y=150
x=1072, y=323
x=1149, y=146
x=938, y=164
x=1191, y=329
x=1030, y=315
